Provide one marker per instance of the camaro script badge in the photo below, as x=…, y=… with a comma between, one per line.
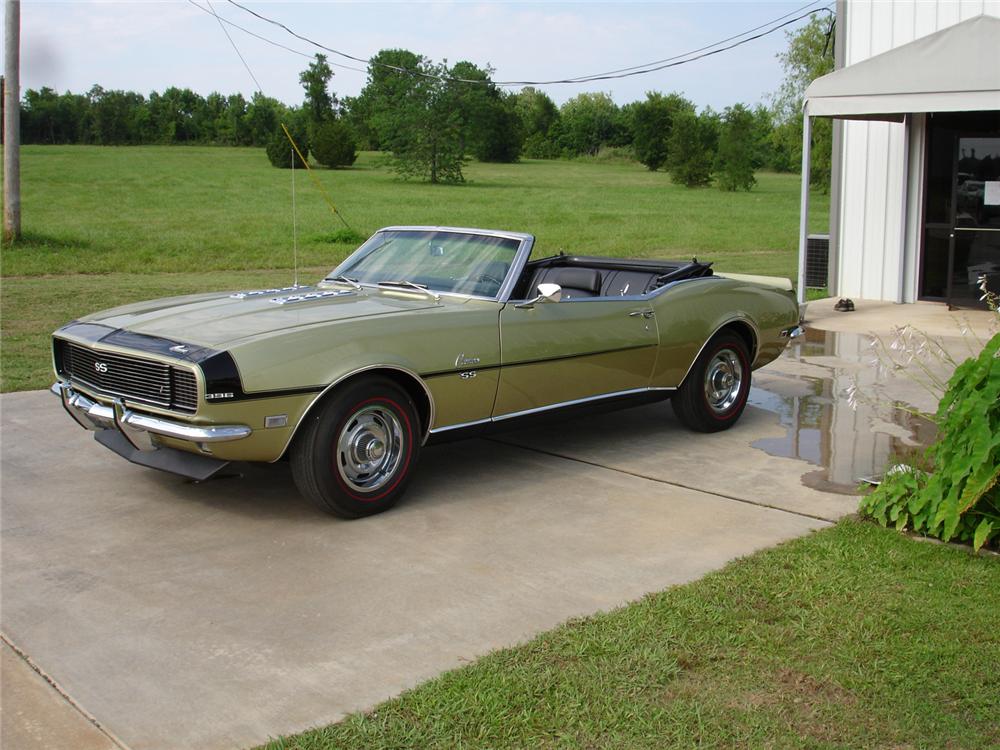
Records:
x=461, y=360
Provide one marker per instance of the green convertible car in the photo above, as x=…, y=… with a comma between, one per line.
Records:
x=423, y=334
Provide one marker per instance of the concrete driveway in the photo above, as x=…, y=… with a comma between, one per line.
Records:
x=220, y=614
x=141, y=611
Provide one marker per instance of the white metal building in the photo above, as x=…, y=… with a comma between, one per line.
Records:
x=915, y=195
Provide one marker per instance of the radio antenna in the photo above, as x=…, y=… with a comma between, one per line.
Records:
x=295, y=236
x=295, y=149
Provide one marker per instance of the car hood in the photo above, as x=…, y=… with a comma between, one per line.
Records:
x=220, y=319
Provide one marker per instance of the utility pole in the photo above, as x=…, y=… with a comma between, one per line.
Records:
x=12, y=122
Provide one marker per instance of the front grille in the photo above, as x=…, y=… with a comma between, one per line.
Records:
x=132, y=378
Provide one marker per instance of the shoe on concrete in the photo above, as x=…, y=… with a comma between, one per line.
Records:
x=841, y=305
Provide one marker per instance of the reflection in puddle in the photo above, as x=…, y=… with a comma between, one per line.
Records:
x=808, y=389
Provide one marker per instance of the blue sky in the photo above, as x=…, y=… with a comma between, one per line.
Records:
x=147, y=46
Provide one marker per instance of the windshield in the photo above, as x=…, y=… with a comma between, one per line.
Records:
x=474, y=264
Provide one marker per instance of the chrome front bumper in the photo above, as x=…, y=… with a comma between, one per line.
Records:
x=138, y=428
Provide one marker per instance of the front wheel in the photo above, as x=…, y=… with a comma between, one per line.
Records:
x=714, y=394
x=356, y=454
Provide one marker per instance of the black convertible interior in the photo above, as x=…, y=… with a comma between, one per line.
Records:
x=583, y=276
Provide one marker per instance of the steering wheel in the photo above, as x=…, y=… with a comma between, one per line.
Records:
x=493, y=281
x=485, y=278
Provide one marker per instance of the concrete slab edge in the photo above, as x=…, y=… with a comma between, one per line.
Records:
x=659, y=480
x=89, y=717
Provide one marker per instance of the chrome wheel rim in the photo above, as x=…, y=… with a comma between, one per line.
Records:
x=369, y=448
x=723, y=381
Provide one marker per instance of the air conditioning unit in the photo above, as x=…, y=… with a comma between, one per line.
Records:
x=817, y=261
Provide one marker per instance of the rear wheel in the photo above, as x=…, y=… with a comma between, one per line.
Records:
x=356, y=454
x=714, y=394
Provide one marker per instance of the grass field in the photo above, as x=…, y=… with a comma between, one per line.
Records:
x=106, y=225
x=853, y=637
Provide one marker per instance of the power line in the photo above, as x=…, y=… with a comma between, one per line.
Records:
x=269, y=41
x=706, y=47
x=635, y=70
x=397, y=68
x=235, y=48
x=644, y=71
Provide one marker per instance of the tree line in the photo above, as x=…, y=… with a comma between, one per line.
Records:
x=431, y=117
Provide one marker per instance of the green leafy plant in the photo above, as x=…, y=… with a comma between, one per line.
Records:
x=734, y=161
x=280, y=152
x=342, y=236
x=689, y=161
x=333, y=144
x=959, y=496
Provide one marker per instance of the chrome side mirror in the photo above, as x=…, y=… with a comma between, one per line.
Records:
x=546, y=293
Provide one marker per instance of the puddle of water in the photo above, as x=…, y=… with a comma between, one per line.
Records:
x=808, y=388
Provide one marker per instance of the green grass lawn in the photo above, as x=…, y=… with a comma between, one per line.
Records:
x=852, y=637
x=105, y=225
x=175, y=209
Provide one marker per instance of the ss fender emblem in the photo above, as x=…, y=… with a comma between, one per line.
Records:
x=100, y=367
x=467, y=375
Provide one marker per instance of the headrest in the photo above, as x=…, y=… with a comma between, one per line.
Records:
x=577, y=278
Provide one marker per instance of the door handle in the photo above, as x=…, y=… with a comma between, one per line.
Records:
x=647, y=314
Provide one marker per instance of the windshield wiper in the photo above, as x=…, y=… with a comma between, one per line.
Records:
x=411, y=285
x=345, y=280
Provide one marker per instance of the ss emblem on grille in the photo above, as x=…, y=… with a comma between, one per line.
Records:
x=100, y=367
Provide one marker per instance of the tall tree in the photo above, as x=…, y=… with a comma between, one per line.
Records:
x=174, y=115
x=763, y=129
x=40, y=117
x=689, y=160
x=491, y=128
x=651, y=124
x=434, y=145
x=262, y=118
x=734, y=162
x=537, y=111
x=539, y=119
x=430, y=120
x=356, y=112
x=393, y=76
x=809, y=55
x=415, y=111
x=332, y=141
x=500, y=137
x=588, y=122
x=114, y=116
x=333, y=144
x=320, y=102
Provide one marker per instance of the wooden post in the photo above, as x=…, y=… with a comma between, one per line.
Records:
x=12, y=122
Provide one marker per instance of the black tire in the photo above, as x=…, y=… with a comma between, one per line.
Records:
x=370, y=419
x=714, y=394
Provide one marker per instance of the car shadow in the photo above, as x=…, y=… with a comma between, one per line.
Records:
x=457, y=472
x=446, y=474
